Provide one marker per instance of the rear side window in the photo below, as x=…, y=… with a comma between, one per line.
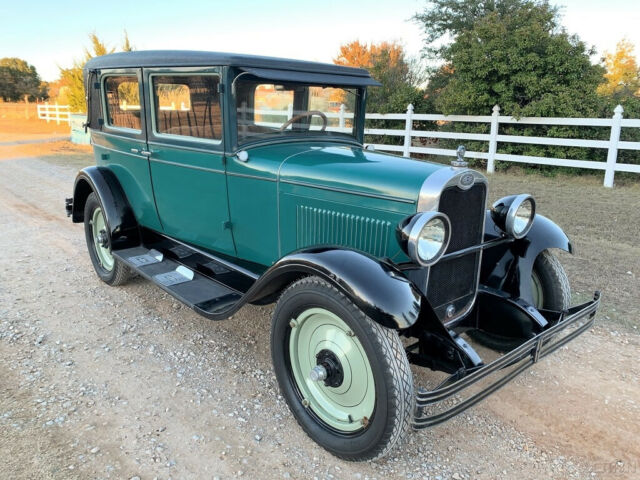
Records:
x=187, y=105
x=123, y=101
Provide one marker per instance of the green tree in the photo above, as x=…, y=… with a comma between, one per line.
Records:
x=517, y=62
x=515, y=54
x=17, y=79
x=72, y=77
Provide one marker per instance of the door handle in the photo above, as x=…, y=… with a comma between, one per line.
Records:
x=137, y=151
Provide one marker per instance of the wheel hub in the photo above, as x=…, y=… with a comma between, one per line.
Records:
x=327, y=369
x=331, y=370
x=103, y=238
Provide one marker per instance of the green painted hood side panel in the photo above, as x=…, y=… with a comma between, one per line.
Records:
x=359, y=171
x=321, y=193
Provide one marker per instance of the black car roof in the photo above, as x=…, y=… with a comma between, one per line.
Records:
x=191, y=58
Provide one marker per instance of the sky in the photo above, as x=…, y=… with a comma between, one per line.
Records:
x=50, y=34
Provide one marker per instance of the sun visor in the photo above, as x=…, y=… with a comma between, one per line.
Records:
x=312, y=78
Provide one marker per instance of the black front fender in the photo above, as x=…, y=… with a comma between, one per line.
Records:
x=122, y=223
x=508, y=266
x=377, y=288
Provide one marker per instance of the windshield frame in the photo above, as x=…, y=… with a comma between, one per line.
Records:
x=351, y=139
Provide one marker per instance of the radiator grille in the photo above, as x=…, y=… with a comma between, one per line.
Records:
x=449, y=280
x=454, y=281
x=465, y=209
x=317, y=226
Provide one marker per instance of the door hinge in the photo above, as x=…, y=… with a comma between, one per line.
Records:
x=227, y=225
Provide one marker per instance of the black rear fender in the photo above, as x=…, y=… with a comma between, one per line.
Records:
x=121, y=221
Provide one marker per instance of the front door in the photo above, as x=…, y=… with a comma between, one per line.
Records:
x=184, y=125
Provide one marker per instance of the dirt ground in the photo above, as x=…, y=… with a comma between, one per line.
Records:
x=101, y=382
x=14, y=128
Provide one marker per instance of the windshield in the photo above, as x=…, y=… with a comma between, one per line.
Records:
x=271, y=110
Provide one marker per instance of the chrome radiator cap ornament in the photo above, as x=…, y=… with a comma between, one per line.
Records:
x=460, y=162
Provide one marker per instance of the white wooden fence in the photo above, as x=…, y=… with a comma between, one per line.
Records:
x=613, y=145
x=57, y=113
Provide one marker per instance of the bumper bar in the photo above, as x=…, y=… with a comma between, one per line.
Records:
x=520, y=358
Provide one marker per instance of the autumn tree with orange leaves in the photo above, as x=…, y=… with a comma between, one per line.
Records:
x=387, y=62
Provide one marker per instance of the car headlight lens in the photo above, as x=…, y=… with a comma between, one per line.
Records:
x=431, y=239
x=425, y=236
x=522, y=217
x=514, y=214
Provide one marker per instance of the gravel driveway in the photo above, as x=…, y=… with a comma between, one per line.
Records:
x=123, y=383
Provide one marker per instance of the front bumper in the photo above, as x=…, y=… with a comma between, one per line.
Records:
x=457, y=392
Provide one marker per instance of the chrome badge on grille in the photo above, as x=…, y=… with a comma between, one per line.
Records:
x=466, y=181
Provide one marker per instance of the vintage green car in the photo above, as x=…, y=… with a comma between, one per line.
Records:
x=232, y=179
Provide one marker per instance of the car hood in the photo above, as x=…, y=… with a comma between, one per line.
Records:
x=356, y=170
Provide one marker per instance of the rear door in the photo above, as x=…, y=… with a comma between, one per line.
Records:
x=184, y=125
x=120, y=143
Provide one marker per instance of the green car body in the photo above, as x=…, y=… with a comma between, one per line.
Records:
x=205, y=187
x=322, y=180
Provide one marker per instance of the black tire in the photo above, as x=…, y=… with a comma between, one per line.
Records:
x=556, y=292
x=553, y=282
x=119, y=273
x=394, y=396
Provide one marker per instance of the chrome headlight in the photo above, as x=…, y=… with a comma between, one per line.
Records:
x=514, y=214
x=425, y=237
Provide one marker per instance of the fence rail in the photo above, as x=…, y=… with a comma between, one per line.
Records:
x=57, y=113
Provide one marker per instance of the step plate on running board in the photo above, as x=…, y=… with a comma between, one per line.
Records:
x=152, y=256
x=180, y=275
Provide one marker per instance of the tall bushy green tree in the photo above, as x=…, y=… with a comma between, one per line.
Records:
x=17, y=79
x=443, y=20
x=515, y=54
x=519, y=64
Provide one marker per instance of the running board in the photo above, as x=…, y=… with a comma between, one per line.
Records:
x=212, y=288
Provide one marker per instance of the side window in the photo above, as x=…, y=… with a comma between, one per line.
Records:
x=187, y=105
x=123, y=101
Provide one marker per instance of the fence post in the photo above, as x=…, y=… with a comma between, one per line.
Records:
x=408, y=126
x=57, y=114
x=341, y=116
x=46, y=111
x=612, y=155
x=493, y=140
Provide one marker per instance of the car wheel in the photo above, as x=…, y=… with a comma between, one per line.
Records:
x=549, y=289
x=550, y=284
x=345, y=378
x=109, y=269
